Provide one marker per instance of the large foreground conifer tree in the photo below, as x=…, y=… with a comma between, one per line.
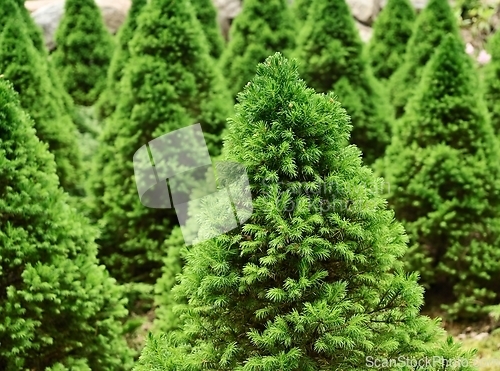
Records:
x=313, y=281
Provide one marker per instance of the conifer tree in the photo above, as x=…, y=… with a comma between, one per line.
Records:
x=170, y=82
x=492, y=82
x=313, y=280
x=262, y=28
x=28, y=71
x=108, y=100
x=83, y=51
x=391, y=32
x=59, y=309
x=207, y=15
x=300, y=9
x=330, y=52
x=166, y=318
x=444, y=175
x=435, y=21
x=57, y=91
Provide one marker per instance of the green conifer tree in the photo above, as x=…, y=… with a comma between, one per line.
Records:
x=28, y=71
x=435, y=21
x=492, y=82
x=391, y=32
x=108, y=100
x=207, y=15
x=330, y=52
x=170, y=82
x=57, y=91
x=166, y=319
x=313, y=280
x=59, y=310
x=84, y=48
x=300, y=9
x=262, y=28
x=444, y=175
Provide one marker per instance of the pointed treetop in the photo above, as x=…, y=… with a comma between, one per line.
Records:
x=447, y=107
x=391, y=31
x=263, y=27
x=435, y=21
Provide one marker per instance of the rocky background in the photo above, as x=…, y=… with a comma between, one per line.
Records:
x=47, y=14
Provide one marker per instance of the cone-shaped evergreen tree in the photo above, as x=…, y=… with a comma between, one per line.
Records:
x=391, y=32
x=435, y=21
x=83, y=51
x=57, y=91
x=492, y=82
x=28, y=71
x=58, y=308
x=170, y=82
x=444, y=175
x=300, y=9
x=207, y=15
x=262, y=28
x=166, y=319
x=313, y=280
x=330, y=52
x=108, y=100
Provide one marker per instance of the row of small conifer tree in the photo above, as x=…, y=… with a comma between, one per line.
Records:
x=294, y=288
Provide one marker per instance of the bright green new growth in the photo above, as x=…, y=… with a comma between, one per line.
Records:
x=443, y=171
x=207, y=15
x=313, y=280
x=262, y=28
x=492, y=82
x=170, y=82
x=28, y=71
x=83, y=51
x=391, y=32
x=58, y=308
x=108, y=100
x=435, y=21
x=331, y=58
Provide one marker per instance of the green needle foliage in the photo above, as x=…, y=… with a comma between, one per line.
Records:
x=492, y=82
x=313, y=281
x=57, y=92
x=28, y=71
x=262, y=28
x=444, y=174
x=108, y=100
x=166, y=319
x=84, y=48
x=59, y=310
x=435, y=21
x=300, y=9
x=330, y=52
x=391, y=32
x=207, y=15
x=170, y=82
